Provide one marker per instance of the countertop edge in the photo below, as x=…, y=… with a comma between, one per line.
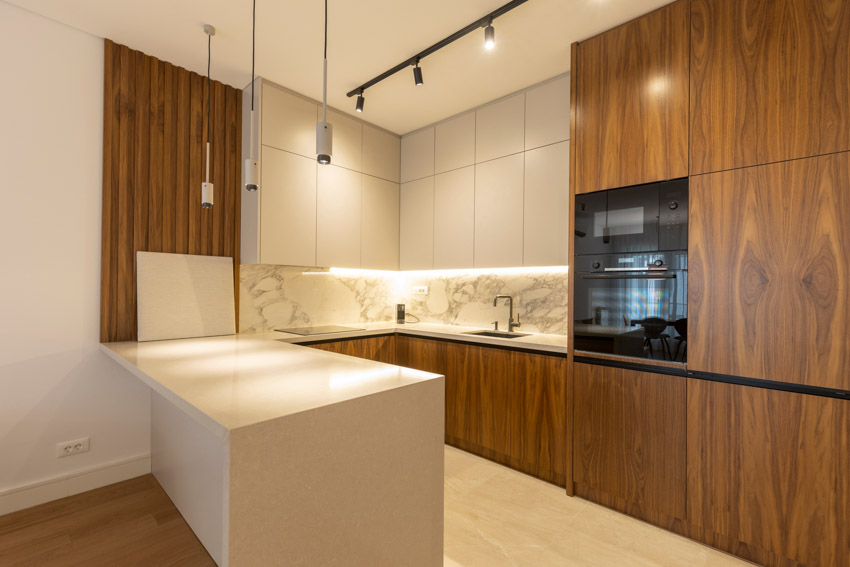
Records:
x=218, y=429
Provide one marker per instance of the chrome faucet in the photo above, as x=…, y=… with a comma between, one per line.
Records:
x=511, y=323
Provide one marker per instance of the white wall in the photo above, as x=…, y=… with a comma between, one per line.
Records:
x=54, y=383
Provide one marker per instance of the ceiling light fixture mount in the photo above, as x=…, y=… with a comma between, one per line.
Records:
x=489, y=36
x=485, y=22
x=417, y=74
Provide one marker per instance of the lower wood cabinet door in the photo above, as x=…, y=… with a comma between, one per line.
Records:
x=769, y=474
x=629, y=445
x=379, y=349
x=540, y=443
x=479, y=414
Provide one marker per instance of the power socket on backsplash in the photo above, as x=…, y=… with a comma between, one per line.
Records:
x=420, y=290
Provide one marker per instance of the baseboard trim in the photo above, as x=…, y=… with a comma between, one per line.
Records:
x=26, y=496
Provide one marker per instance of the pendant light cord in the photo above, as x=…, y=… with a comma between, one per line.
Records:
x=325, y=70
x=253, y=50
x=209, y=102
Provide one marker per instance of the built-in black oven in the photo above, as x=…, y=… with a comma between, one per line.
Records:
x=631, y=271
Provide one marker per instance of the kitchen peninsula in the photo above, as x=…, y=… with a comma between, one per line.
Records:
x=274, y=452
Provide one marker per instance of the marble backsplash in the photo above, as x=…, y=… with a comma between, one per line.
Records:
x=290, y=296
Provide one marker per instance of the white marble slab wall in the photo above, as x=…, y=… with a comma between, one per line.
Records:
x=288, y=296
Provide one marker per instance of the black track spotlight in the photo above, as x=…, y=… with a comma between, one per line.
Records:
x=489, y=37
x=360, y=102
x=417, y=74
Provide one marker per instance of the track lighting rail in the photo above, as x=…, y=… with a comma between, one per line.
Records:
x=479, y=23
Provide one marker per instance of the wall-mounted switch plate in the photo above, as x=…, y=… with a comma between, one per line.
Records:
x=72, y=447
x=420, y=290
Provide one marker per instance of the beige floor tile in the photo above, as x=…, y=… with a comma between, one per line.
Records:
x=495, y=516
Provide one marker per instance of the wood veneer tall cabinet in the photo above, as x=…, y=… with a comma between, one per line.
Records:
x=767, y=474
x=343, y=215
x=769, y=273
x=631, y=113
x=629, y=442
x=770, y=81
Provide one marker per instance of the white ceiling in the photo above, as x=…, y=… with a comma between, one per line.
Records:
x=366, y=37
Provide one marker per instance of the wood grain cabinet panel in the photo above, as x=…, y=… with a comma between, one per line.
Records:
x=770, y=81
x=539, y=446
x=767, y=474
x=629, y=444
x=769, y=273
x=379, y=349
x=632, y=102
x=421, y=354
x=482, y=387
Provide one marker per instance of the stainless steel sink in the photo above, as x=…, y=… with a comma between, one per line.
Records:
x=498, y=334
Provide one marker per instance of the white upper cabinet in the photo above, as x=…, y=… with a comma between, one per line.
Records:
x=416, y=239
x=338, y=217
x=417, y=155
x=287, y=208
x=547, y=113
x=454, y=211
x=500, y=129
x=288, y=121
x=347, y=140
x=499, y=212
x=546, y=210
x=381, y=154
x=310, y=215
x=379, y=230
x=454, y=143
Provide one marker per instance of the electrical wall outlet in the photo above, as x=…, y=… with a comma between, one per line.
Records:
x=420, y=290
x=72, y=447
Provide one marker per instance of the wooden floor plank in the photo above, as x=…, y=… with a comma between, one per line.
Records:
x=128, y=523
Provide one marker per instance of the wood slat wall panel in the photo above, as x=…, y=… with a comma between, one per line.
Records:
x=154, y=134
x=770, y=81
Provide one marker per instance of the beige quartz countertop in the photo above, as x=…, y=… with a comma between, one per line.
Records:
x=532, y=341
x=236, y=381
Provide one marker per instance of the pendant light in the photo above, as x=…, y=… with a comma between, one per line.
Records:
x=324, y=130
x=207, y=189
x=251, y=170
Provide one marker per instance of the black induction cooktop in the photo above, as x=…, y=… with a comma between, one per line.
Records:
x=319, y=330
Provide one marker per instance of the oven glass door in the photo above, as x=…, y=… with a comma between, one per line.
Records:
x=632, y=313
x=617, y=221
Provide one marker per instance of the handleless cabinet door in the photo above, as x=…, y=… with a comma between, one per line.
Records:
x=288, y=209
x=288, y=121
x=770, y=81
x=381, y=154
x=416, y=235
x=417, y=155
x=632, y=102
x=454, y=210
x=380, y=224
x=338, y=218
x=769, y=272
x=547, y=113
x=499, y=212
x=767, y=473
x=629, y=442
x=546, y=208
x=454, y=143
x=347, y=140
x=500, y=129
